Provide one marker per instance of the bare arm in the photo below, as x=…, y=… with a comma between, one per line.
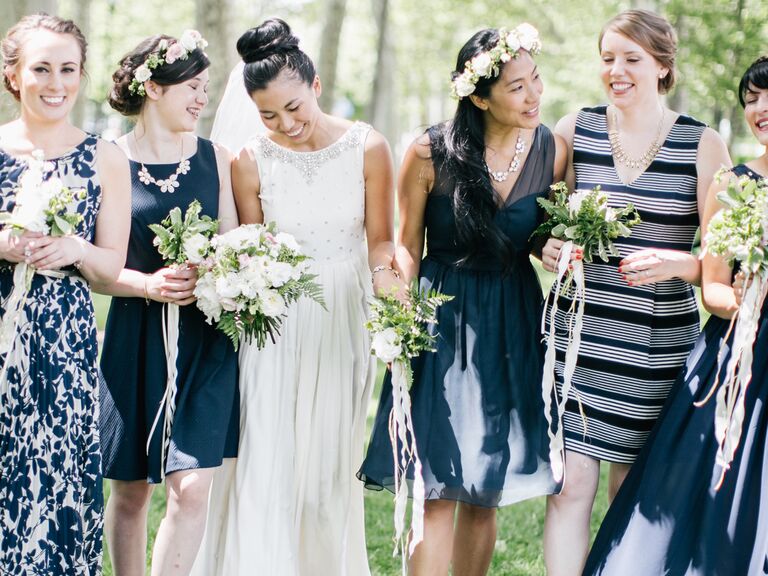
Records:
x=227, y=208
x=379, y=211
x=416, y=179
x=246, y=186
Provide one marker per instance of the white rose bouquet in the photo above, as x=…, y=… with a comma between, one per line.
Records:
x=180, y=240
x=42, y=204
x=250, y=277
x=739, y=234
x=398, y=333
x=581, y=218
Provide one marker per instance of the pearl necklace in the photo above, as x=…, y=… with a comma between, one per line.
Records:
x=620, y=154
x=166, y=184
x=514, y=165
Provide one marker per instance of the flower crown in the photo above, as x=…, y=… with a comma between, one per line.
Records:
x=168, y=51
x=486, y=64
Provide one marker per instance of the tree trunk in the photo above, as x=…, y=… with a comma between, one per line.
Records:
x=212, y=18
x=329, y=50
x=82, y=18
x=381, y=107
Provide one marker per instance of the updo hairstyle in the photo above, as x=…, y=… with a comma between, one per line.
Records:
x=14, y=38
x=128, y=103
x=756, y=75
x=269, y=49
x=654, y=33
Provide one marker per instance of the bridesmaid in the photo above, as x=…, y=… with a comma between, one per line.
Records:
x=669, y=517
x=641, y=318
x=170, y=167
x=471, y=185
x=50, y=479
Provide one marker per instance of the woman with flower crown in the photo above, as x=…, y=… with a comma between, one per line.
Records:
x=471, y=185
x=641, y=318
x=163, y=83
x=290, y=504
x=682, y=510
x=50, y=464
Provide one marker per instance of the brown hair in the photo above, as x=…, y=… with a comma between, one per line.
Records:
x=651, y=31
x=11, y=44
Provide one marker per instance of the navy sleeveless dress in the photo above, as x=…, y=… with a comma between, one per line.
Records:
x=206, y=420
x=477, y=408
x=635, y=339
x=50, y=479
x=668, y=518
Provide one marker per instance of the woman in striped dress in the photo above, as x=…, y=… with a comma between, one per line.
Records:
x=641, y=317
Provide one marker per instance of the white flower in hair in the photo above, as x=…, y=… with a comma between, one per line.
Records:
x=142, y=73
x=463, y=85
x=482, y=63
x=529, y=37
x=513, y=41
x=191, y=39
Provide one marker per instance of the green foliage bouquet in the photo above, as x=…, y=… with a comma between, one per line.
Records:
x=42, y=204
x=581, y=218
x=739, y=234
x=249, y=278
x=399, y=332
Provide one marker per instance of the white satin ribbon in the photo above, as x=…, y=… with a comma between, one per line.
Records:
x=549, y=389
x=168, y=401
x=401, y=432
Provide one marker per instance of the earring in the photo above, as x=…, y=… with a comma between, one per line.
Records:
x=661, y=76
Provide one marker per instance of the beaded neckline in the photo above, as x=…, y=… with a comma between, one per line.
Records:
x=309, y=162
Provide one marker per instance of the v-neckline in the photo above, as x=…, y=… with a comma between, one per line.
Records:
x=505, y=200
x=634, y=181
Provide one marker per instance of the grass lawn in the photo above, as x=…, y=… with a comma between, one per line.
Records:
x=520, y=527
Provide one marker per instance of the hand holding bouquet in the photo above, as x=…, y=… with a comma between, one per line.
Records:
x=249, y=278
x=180, y=241
x=399, y=332
x=581, y=218
x=42, y=204
x=739, y=234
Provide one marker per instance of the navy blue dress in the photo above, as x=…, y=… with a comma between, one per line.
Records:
x=51, y=498
x=206, y=420
x=477, y=405
x=668, y=518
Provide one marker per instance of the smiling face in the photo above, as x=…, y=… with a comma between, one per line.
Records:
x=514, y=99
x=629, y=73
x=756, y=112
x=47, y=75
x=288, y=107
x=183, y=103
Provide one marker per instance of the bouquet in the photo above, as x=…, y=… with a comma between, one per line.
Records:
x=398, y=333
x=180, y=241
x=42, y=204
x=249, y=278
x=581, y=218
x=739, y=234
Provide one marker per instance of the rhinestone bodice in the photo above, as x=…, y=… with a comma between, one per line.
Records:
x=318, y=197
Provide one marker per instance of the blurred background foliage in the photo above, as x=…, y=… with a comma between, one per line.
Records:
x=388, y=61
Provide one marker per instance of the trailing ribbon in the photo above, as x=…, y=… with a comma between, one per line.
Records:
x=729, y=403
x=563, y=280
x=168, y=401
x=401, y=433
x=13, y=306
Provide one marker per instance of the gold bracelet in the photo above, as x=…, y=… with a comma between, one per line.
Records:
x=146, y=290
x=79, y=263
x=382, y=267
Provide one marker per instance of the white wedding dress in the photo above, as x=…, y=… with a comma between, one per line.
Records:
x=290, y=505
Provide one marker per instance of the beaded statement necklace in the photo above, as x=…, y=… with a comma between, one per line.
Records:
x=620, y=154
x=166, y=184
x=514, y=165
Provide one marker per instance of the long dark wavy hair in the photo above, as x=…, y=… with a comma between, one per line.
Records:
x=462, y=150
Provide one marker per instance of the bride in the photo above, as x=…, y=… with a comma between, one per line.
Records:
x=290, y=504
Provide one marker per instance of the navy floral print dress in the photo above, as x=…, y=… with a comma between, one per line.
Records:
x=50, y=481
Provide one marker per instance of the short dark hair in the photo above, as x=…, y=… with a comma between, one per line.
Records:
x=756, y=75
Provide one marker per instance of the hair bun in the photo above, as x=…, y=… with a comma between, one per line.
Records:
x=272, y=37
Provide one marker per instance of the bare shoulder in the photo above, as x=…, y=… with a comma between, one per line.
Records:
x=376, y=143
x=566, y=127
x=223, y=154
x=110, y=153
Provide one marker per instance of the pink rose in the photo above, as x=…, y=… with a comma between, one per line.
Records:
x=174, y=52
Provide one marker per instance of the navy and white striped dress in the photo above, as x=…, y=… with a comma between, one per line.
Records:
x=635, y=339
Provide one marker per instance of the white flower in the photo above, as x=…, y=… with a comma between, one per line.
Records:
x=287, y=240
x=575, y=200
x=236, y=238
x=482, y=63
x=513, y=42
x=142, y=73
x=190, y=39
x=278, y=273
x=463, y=85
x=386, y=345
x=528, y=37
x=195, y=248
x=610, y=215
x=272, y=304
x=207, y=299
x=228, y=286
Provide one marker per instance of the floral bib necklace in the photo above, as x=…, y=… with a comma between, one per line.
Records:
x=166, y=184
